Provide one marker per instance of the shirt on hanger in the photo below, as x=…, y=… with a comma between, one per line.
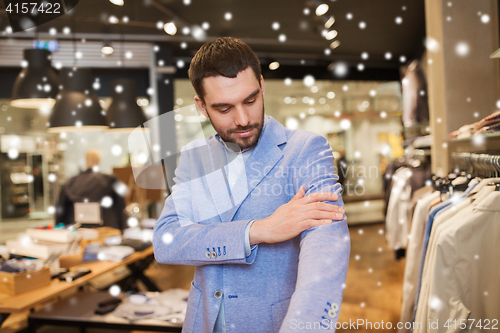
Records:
x=442, y=222
x=398, y=211
x=413, y=255
x=417, y=195
x=461, y=277
x=428, y=228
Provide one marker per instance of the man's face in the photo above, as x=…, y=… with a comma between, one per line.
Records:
x=235, y=106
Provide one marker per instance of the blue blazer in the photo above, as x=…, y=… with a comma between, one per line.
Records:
x=283, y=287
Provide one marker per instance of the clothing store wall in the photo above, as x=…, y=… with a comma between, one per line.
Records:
x=361, y=120
x=464, y=84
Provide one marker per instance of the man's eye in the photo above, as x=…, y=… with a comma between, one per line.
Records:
x=251, y=102
x=224, y=110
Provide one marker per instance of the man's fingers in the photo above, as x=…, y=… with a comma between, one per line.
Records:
x=322, y=206
x=300, y=194
x=322, y=215
x=322, y=196
x=311, y=223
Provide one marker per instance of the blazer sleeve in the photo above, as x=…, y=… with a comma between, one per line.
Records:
x=179, y=240
x=324, y=250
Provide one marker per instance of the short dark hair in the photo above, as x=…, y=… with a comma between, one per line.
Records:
x=225, y=56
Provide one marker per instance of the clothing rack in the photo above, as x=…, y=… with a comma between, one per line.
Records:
x=483, y=165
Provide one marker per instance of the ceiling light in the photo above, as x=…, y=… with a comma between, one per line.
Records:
x=274, y=65
x=331, y=34
x=335, y=44
x=37, y=84
x=322, y=9
x=113, y=19
x=124, y=113
x=77, y=107
x=329, y=22
x=107, y=49
x=117, y=2
x=170, y=28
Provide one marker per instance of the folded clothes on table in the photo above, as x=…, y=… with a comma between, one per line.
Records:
x=169, y=305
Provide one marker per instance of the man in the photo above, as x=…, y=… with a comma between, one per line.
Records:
x=254, y=208
x=92, y=186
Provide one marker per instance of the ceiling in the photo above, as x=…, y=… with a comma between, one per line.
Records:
x=252, y=21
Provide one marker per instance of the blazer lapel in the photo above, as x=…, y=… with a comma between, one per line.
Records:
x=264, y=157
x=214, y=160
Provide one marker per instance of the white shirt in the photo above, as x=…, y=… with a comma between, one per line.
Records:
x=463, y=280
x=398, y=210
x=458, y=264
x=414, y=256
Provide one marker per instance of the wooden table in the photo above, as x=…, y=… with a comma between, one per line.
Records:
x=28, y=300
x=78, y=311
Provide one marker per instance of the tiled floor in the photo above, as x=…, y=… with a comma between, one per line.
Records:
x=374, y=280
x=373, y=286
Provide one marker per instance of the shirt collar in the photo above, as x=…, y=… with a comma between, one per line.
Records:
x=223, y=143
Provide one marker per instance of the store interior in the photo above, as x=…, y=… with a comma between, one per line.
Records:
x=407, y=95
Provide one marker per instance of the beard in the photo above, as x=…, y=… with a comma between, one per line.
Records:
x=238, y=143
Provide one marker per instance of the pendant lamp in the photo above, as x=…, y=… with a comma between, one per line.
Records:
x=124, y=114
x=77, y=107
x=37, y=84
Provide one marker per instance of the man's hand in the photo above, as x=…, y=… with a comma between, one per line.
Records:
x=300, y=214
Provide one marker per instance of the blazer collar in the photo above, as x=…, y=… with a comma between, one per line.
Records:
x=263, y=158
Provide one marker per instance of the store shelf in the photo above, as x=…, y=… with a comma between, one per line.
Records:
x=487, y=136
x=490, y=145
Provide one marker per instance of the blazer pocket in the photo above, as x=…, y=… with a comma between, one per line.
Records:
x=194, y=299
x=278, y=312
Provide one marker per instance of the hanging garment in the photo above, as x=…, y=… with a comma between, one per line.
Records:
x=427, y=233
x=398, y=210
x=443, y=221
x=415, y=107
x=390, y=170
x=417, y=195
x=413, y=255
x=463, y=279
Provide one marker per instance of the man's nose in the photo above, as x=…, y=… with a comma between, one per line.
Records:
x=241, y=117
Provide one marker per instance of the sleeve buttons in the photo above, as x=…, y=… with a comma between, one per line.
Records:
x=208, y=255
x=332, y=313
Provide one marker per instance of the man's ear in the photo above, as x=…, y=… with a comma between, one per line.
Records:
x=201, y=105
x=262, y=88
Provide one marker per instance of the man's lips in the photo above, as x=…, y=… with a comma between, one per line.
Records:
x=244, y=134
